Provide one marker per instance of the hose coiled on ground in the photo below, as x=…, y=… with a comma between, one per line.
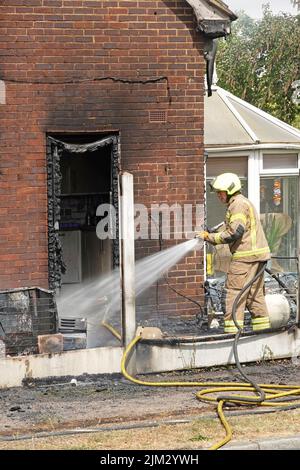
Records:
x=273, y=393
x=269, y=395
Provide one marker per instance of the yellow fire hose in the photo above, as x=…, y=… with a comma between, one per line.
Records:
x=273, y=392
x=112, y=330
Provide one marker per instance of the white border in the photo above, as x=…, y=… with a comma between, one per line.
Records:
x=278, y=171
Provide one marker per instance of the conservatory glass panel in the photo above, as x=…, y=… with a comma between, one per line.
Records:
x=218, y=257
x=279, y=215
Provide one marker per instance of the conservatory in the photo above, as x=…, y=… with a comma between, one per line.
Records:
x=264, y=152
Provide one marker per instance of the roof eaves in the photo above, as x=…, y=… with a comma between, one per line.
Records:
x=214, y=21
x=213, y=17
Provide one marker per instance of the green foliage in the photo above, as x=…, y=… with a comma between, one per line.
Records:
x=260, y=61
x=274, y=229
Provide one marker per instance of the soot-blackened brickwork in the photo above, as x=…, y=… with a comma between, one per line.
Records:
x=131, y=68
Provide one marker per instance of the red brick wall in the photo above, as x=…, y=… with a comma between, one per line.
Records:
x=56, y=57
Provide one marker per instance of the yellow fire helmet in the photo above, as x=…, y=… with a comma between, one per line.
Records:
x=228, y=182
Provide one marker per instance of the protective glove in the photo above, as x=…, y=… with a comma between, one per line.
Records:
x=203, y=235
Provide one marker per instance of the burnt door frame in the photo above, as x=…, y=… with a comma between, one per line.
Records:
x=54, y=150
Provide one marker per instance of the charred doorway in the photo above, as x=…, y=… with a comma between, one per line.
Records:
x=82, y=175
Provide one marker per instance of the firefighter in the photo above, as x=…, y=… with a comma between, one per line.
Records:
x=243, y=232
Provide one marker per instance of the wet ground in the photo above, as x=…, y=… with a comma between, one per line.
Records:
x=113, y=400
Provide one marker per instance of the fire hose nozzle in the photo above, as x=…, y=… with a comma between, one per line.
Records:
x=215, y=228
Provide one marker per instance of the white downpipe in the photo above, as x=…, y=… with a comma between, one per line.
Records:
x=127, y=257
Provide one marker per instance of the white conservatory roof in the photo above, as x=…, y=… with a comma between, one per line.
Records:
x=230, y=121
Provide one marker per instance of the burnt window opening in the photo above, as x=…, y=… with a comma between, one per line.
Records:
x=82, y=174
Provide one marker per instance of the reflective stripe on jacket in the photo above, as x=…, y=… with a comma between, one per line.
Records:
x=243, y=232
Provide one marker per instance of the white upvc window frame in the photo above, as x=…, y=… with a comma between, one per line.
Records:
x=256, y=171
x=231, y=154
x=278, y=171
x=255, y=167
x=271, y=172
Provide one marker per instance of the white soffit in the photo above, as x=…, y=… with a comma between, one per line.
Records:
x=205, y=9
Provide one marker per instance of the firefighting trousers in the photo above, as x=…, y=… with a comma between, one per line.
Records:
x=240, y=274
